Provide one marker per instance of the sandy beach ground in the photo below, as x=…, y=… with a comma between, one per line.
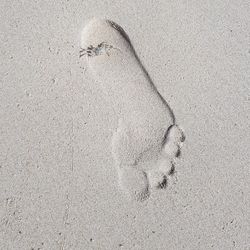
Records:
x=58, y=180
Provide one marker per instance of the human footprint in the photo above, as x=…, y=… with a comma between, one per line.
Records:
x=147, y=141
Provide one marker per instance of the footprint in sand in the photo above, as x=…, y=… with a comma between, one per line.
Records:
x=147, y=141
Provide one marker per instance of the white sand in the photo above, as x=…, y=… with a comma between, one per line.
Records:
x=58, y=178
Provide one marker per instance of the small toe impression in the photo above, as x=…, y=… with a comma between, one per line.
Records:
x=157, y=179
x=134, y=183
x=163, y=183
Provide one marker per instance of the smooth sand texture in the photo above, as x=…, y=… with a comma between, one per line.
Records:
x=146, y=140
x=58, y=179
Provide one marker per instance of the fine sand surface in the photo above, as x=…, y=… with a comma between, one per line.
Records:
x=142, y=142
